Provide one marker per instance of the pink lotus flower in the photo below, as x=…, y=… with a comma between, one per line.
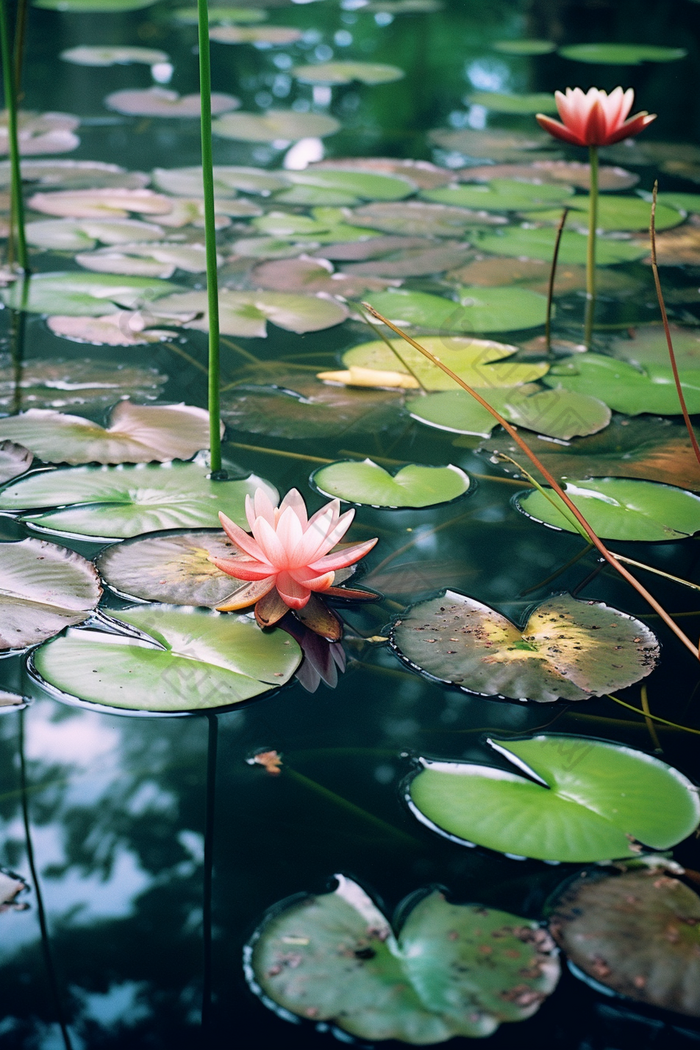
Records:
x=288, y=556
x=595, y=118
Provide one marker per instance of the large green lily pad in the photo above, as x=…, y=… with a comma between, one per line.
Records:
x=621, y=509
x=43, y=588
x=451, y=970
x=247, y=313
x=524, y=47
x=479, y=362
x=587, y=800
x=500, y=102
x=120, y=502
x=346, y=72
x=622, y=54
x=568, y=648
x=197, y=661
x=615, y=212
x=503, y=195
x=626, y=388
x=343, y=187
x=87, y=294
x=538, y=243
x=274, y=125
x=636, y=932
x=365, y=482
x=477, y=309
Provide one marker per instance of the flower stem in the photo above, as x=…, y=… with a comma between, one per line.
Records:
x=590, y=256
x=17, y=204
x=209, y=238
x=552, y=278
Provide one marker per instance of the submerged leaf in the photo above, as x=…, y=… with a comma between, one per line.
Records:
x=160, y=102
x=453, y=969
x=588, y=800
x=568, y=648
x=414, y=485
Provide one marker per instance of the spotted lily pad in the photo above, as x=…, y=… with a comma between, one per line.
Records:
x=451, y=970
x=422, y=219
x=626, y=388
x=622, y=54
x=636, y=932
x=572, y=799
x=161, y=102
x=479, y=362
x=538, y=243
x=499, y=102
x=346, y=72
x=504, y=195
x=84, y=293
x=622, y=509
x=43, y=588
x=275, y=125
x=414, y=485
x=196, y=661
x=137, y=434
x=57, y=384
x=112, y=56
x=568, y=648
x=247, y=313
x=477, y=309
x=120, y=502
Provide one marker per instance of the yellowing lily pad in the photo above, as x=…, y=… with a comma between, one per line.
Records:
x=412, y=486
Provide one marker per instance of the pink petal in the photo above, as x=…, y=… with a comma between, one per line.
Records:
x=242, y=569
x=558, y=130
x=336, y=534
x=241, y=538
x=632, y=127
x=264, y=507
x=312, y=580
x=596, y=131
x=289, y=531
x=314, y=536
x=293, y=594
x=272, y=547
x=247, y=595
x=295, y=500
x=342, y=558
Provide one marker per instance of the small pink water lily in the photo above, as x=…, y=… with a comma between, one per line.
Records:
x=594, y=117
x=288, y=555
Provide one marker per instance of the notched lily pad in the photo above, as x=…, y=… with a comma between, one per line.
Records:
x=566, y=798
x=451, y=970
x=367, y=483
x=160, y=102
x=626, y=388
x=568, y=649
x=43, y=588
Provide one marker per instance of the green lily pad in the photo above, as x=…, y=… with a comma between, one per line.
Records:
x=220, y=15
x=422, y=219
x=120, y=502
x=247, y=313
x=98, y=7
x=615, y=213
x=504, y=195
x=57, y=384
x=499, y=102
x=626, y=388
x=451, y=970
x=71, y=235
x=275, y=36
x=588, y=800
x=43, y=588
x=648, y=346
x=228, y=179
x=323, y=225
x=346, y=72
x=366, y=483
x=113, y=56
x=686, y=201
x=478, y=309
x=528, y=243
x=152, y=259
x=274, y=125
x=86, y=294
x=636, y=932
x=568, y=648
x=197, y=661
x=172, y=569
x=622, y=54
x=555, y=413
x=341, y=187
x=479, y=362
x=525, y=47
x=622, y=509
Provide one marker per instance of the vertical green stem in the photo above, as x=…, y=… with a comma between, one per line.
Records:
x=590, y=257
x=209, y=238
x=11, y=106
x=212, y=739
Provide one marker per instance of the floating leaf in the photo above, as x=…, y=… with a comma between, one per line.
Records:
x=528, y=243
x=534, y=274
x=328, y=186
x=149, y=260
x=477, y=310
x=43, y=588
x=160, y=102
x=636, y=932
x=500, y=102
x=626, y=388
x=503, y=195
x=198, y=661
x=220, y=14
x=452, y=970
x=120, y=502
x=137, y=434
x=525, y=47
x=415, y=262
x=99, y=7
x=622, y=509
x=312, y=275
x=420, y=172
x=114, y=203
x=175, y=569
x=471, y=359
x=82, y=234
x=568, y=648
x=616, y=213
x=41, y=133
x=420, y=219
x=346, y=72
x=678, y=247
x=56, y=383
x=75, y=174
x=496, y=145
x=247, y=313
x=113, y=56
x=76, y=294
x=275, y=125
x=622, y=54
x=122, y=328
x=588, y=800
x=272, y=35
x=648, y=346
x=187, y=182
x=14, y=460
x=578, y=174
x=372, y=247
x=366, y=483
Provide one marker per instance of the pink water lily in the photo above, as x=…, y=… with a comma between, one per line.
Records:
x=288, y=556
x=594, y=117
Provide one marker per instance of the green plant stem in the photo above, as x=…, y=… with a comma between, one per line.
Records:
x=550, y=286
x=17, y=204
x=210, y=239
x=654, y=718
x=590, y=255
x=18, y=49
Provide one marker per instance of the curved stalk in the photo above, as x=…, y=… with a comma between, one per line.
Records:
x=590, y=254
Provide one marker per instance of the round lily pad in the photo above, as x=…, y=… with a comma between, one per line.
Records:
x=161, y=102
x=43, y=588
x=414, y=485
x=626, y=388
x=228, y=179
x=622, y=54
x=94, y=6
x=451, y=970
x=323, y=185
x=500, y=102
x=621, y=509
x=477, y=310
x=86, y=294
x=220, y=14
x=120, y=502
x=568, y=648
x=188, y=661
x=525, y=47
x=283, y=125
x=346, y=72
x=247, y=313
x=503, y=195
x=113, y=202
x=275, y=36
x=422, y=219
x=616, y=212
x=587, y=800
x=112, y=56
x=636, y=932
x=533, y=243
x=57, y=384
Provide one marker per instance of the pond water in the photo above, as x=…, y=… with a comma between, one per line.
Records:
x=129, y=815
